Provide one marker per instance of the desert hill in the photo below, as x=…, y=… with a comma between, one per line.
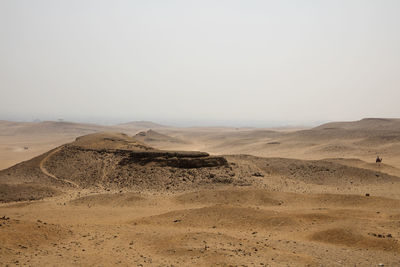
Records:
x=374, y=129
x=370, y=124
x=364, y=139
x=159, y=140
x=108, y=198
x=48, y=128
x=141, y=125
x=24, y=140
x=117, y=161
x=109, y=141
x=21, y=141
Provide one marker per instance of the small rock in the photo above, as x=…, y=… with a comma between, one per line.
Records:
x=258, y=174
x=367, y=194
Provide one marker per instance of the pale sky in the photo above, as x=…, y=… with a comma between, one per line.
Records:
x=203, y=61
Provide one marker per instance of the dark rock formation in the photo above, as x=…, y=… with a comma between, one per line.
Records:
x=173, y=159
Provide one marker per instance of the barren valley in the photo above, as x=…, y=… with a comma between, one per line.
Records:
x=143, y=194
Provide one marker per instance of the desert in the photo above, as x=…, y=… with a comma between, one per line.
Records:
x=199, y=133
x=142, y=194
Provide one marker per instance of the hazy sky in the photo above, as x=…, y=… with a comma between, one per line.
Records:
x=200, y=61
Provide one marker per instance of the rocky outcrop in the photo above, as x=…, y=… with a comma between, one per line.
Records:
x=177, y=159
x=186, y=160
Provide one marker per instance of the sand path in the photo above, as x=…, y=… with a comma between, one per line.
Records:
x=45, y=171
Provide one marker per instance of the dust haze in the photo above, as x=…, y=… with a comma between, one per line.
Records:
x=182, y=133
x=206, y=62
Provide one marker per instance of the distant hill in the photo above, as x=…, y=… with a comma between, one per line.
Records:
x=153, y=137
x=381, y=130
x=109, y=140
x=364, y=139
x=141, y=124
x=23, y=140
x=364, y=124
x=49, y=128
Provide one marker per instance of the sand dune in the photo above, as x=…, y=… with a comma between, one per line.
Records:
x=350, y=238
x=178, y=229
x=110, y=200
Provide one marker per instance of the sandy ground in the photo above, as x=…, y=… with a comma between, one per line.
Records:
x=299, y=213
x=220, y=227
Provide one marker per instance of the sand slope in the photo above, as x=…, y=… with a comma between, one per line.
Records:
x=264, y=227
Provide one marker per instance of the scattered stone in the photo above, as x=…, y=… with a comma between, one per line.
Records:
x=367, y=194
x=177, y=220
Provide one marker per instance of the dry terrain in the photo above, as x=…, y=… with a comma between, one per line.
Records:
x=143, y=194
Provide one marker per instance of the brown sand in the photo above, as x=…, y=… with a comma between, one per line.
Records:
x=275, y=211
